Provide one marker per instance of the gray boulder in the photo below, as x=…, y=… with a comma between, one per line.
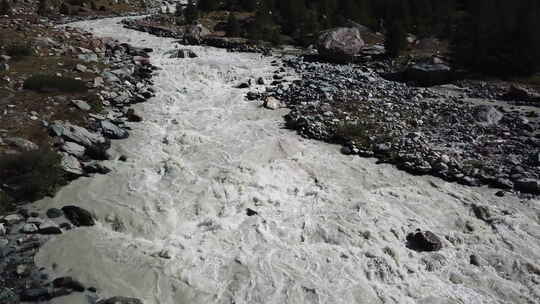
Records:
x=428, y=74
x=120, y=300
x=340, y=44
x=112, y=131
x=77, y=134
x=78, y=216
x=73, y=149
x=71, y=164
x=487, y=115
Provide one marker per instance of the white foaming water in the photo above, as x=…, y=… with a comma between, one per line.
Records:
x=330, y=228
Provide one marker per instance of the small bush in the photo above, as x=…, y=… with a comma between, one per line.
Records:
x=19, y=51
x=32, y=175
x=47, y=83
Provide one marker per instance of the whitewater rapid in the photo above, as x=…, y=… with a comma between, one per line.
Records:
x=173, y=228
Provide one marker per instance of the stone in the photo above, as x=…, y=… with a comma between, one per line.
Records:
x=68, y=282
x=81, y=68
x=90, y=57
x=423, y=241
x=73, y=149
x=251, y=212
x=29, y=228
x=3, y=229
x=71, y=164
x=428, y=74
x=81, y=104
x=49, y=227
x=13, y=219
x=120, y=300
x=182, y=53
x=112, y=131
x=260, y=81
x=54, y=213
x=528, y=185
x=519, y=93
x=95, y=167
x=482, y=212
x=133, y=116
x=77, y=134
x=98, y=82
x=78, y=216
x=21, y=143
x=272, y=103
x=340, y=44
x=487, y=115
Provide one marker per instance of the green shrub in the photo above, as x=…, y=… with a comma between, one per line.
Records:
x=19, y=51
x=32, y=175
x=47, y=83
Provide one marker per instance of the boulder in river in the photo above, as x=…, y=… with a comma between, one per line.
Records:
x=112, y=131
x=428, y=74
x=487, y=115
x=423, y=241
x=340, y=44
x=182, y=53
x=194, y=34
x=120, y=300
x=78, y=216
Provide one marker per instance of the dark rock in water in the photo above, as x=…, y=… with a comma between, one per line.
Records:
x=500, y=193
x=36, y=294
x=244, y=85
x=78, y=216
x=60, y=292
x=195, y=33
x=474, y=260
x=482, y=212
x=95, y=167
x=528, y=185
x=423, y=241
x=251, y=212
x=66, y=226
x=112, y=131
x=340, y=44
x=54, y=213
x=122, y=158
x=428, y=74
x=133, y=116
x=183, y=53
x=120, y=300
x=49, y=227
x=260, y=81
x=252, y=96
x=68, y=282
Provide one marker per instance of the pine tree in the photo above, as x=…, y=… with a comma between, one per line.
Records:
x=5, y=7
x=42, y=8
x=395, y=41
x=207, y=5
x=191, y=13
x=64, y=9
x=233, y=26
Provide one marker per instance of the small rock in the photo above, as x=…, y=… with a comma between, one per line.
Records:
x=78, y=216
x=81, y=68
x=164, y=254
x=3, y=230
x=81, y=104
x=423, y=241
x=49, y=227
x=133, y=116
x=251, y=212
x=35, y=294
x=120, y=300
x=7, y=296
x=73, y=149
x=68, y=282
x=112, y=131
x=500, y=193
x=29, y=228
x=54, y=213
x=474, y=260
x=272, y=103
x=13, y=219
x=71, y=164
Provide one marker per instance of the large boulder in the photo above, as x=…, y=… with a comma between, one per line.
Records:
x=428, y=74
x=78, y=216
x=182, y=53
x=120, y=300
x=112, y=131
x=487, y=115
x=340, y=44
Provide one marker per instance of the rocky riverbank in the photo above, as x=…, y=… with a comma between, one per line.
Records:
x=446, y=131
x=125, y=81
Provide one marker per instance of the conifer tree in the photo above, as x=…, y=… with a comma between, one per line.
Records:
x=5, y=7
x=395, y=41
x=233, y=26
x=42, y=8
x=191, y=13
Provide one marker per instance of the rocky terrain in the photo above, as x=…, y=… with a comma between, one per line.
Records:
x=451, y=131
